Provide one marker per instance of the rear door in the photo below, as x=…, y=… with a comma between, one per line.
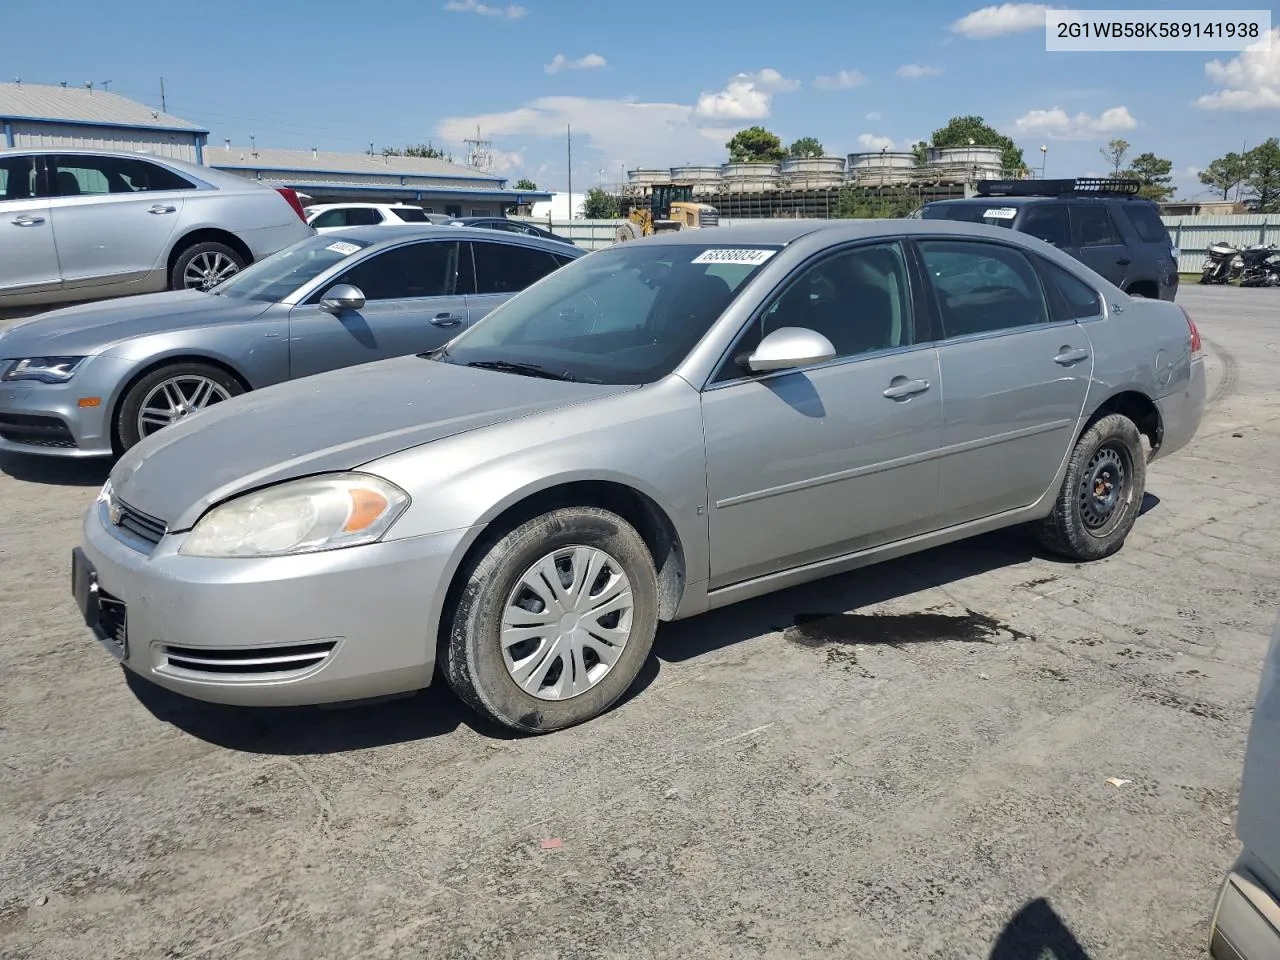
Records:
x=1099, y=242
x=1014, y=372
x=112, y=216
x=1049, y=222
x=413, y=303
x=502, y=270
x=28, y=257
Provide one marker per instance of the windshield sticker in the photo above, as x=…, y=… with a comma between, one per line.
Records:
x=1001, y=213
x=344, y=248
x=752, y=257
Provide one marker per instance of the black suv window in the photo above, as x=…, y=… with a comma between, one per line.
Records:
x=1073, y=298
x=78, y=175
x=1094, y=227
x=428, y=269
x=1146, y=221
x=507, y=268
x=1047, y=222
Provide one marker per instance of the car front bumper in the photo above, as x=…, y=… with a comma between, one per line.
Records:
x=71, y=419
x=326, y=627
x=1246, y=919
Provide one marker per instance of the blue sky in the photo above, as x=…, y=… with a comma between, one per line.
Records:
x=657, y=84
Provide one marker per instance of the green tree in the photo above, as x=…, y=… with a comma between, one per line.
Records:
x=805, y=147
x=524, y=183
x=755, y=145
x=599, y=204
x=1115, y=153
x=1225, y=174
x=1155, y=174
x=961, y=131
x=920, y=150
x=423, y=150
x=1262, y=185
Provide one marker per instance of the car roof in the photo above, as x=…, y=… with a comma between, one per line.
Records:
x=361, y=203
x=214, y=177
x=382, y=234
x=783, y=232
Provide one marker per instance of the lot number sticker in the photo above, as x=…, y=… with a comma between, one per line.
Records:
x=346, y=249
x=752, y=257
x=1001, y=213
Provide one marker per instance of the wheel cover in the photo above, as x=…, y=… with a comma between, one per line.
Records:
x=208, y=269
x=1104, y=489
x=566, y=622
x=176, y=399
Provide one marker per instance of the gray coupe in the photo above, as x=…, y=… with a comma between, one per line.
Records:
x=661, y=428
x=95, y=379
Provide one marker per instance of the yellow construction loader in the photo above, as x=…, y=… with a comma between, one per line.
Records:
x=670, y=207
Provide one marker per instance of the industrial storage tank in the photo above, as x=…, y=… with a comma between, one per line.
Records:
x=648, y=176
x=813, y=171
x=874, y=168
x=967, y=164
x=706, y=174
x=749, y=176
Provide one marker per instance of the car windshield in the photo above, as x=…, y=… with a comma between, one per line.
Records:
x=275, y=277
x=992, y=213
x=628, y=314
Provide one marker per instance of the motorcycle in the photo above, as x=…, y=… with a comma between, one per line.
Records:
x=1222, y=265
x=1261, y=266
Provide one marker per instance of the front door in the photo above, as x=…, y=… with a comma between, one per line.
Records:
x=1099, y=243
x=1014, y=378
x=28, y=257
x=501, y=271
x=413, y=303
x=113, y=217
x=806, y=465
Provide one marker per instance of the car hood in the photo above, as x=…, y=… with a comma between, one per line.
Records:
x=329, y=422
x=91, y=328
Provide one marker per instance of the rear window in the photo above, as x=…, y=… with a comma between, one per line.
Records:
x=993, y=213
x=1147, y=222
x=412, y=214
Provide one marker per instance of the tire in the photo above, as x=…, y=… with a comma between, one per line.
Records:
x=1073, y=529
x=209, y=263
x=475, y=663
x=217, y=385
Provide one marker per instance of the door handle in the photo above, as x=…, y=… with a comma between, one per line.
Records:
x=446, y=319
x=1068, y=355
x=1124, y=261
x=161, y=208
x=900, y=388
x=25, y=221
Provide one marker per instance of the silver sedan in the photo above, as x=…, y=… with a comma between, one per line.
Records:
x=659, y=429
x=95, y=379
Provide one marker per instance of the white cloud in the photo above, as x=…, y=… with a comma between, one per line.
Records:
x=914, y=71
x=511, y=11
x=590, y=62
x=996, y=21
x=840, y=80
x=872, y=142
x=1250, y=81
x=874, y=116
x=1056, y=124
x=506, y=161
x=747, y=96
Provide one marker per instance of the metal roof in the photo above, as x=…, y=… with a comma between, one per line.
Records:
x=26, y=101
x=325, y=161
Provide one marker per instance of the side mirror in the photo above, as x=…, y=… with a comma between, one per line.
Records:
x=789, y=347
x=342, y=297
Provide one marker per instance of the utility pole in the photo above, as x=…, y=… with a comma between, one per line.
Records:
x=164, y=106
x=568, y=139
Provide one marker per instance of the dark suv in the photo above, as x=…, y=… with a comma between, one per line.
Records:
x=1102, y=223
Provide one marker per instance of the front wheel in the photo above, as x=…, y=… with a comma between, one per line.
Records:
x=554, y=622
x=168, y=395
x=1101, y=493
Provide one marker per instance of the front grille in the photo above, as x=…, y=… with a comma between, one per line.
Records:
x=249, y=662
x=139, y=524
x=35, y=431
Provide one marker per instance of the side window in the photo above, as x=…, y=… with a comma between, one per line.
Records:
x=982, y=287
x=562, y=260
x=363, y=217
x=415, y=270
x=507, y=268
x=17, y=178
x=1094, y=227
x=1074, y=299
x=1146, y=221
x=859, y=299
x=1048, y=222
x=77, y=175
x=331, y=218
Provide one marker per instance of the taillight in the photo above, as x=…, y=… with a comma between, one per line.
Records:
x=291, y=195
x=1197, y=348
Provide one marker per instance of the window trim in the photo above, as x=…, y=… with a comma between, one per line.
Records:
x=1049, y=323
x=726, y=359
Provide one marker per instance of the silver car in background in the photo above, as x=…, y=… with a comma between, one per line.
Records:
x=658, y=429
x=95, y=379
x=83, y=224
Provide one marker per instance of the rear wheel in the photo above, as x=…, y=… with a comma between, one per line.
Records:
x=169, y=395
x=202, y=266
x=1101, y=493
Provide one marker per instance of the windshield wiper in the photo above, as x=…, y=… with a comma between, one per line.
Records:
x=526, y=369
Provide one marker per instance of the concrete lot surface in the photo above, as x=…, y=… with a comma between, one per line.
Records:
x=912, y=761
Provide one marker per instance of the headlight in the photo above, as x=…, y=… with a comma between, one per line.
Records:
x=44, y=369
x=302, y=516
